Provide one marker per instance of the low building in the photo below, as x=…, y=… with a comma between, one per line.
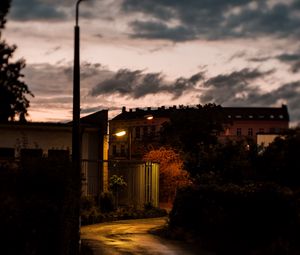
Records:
x=54, y=140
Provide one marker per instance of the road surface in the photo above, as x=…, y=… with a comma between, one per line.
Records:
x=132, y=237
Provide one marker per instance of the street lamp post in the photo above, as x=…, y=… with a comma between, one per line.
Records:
x=76, y=144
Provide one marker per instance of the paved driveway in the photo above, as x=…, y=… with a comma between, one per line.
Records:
x=132, y=237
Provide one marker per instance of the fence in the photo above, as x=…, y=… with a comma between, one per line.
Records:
x=142, y=180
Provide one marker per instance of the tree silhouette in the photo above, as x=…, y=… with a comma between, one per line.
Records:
x=13, y=90
x=193, y=131
x=4, y=7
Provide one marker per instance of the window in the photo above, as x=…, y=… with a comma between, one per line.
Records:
x=114, y=150
x=250, y=132
x=31, y=153
x=238, y=131
x=58, y=154
x=152, y=131
x=122, y=150
x=137, y=132
x=7, y=153
x=145, y=131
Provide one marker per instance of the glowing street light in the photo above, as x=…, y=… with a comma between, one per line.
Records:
x=149, y=117
x=120, y=133
x=123, y=133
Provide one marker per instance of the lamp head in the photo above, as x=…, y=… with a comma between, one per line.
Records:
x=120, y=133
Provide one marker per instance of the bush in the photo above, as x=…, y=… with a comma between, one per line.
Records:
x=233, y=217
x=106, y=202
x=38, y=208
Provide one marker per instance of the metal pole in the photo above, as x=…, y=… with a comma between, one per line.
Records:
x=76, y=140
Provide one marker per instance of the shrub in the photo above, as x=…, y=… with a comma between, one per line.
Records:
x=106, y=202
x=236, y=217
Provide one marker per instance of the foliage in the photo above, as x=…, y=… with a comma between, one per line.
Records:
x=106, y=202
x=4, y=7
x=191, y=130
x=171, y=172
x=116, y=185
x=38, y=208
x=13, y=90
x=280, y=161
x=243, y=201
x=93, y=216
x=238, y=218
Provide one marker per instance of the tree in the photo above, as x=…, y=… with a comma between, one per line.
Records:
x=13, y=90
x=171, y=172
x=4, y=7
x=280, y=160
x=193, y=131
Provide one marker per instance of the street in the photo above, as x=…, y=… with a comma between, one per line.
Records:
x=132, y=237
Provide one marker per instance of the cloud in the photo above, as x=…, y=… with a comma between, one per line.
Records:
x=137, y=84
x=237, y=88
x=57, y=10
x=35, y=10
x=213, y=20
x=226, y=88
x=292, y=59
x=102, y=88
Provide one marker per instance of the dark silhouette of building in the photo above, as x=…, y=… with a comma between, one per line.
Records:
x=142, y=126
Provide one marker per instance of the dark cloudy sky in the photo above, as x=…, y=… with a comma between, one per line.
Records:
x=140, y=53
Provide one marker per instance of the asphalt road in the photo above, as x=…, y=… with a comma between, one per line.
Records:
x=132, y=237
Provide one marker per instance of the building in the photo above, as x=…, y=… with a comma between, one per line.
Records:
x=54, y=140
x=142, y=126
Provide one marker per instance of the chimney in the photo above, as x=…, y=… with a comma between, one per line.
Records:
x=149, y=108
x=123, y=109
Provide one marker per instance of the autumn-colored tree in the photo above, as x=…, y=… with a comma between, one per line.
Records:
x=171, y=172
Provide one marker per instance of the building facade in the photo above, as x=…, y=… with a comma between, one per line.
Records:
x=54, y=140
x=142, y=127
